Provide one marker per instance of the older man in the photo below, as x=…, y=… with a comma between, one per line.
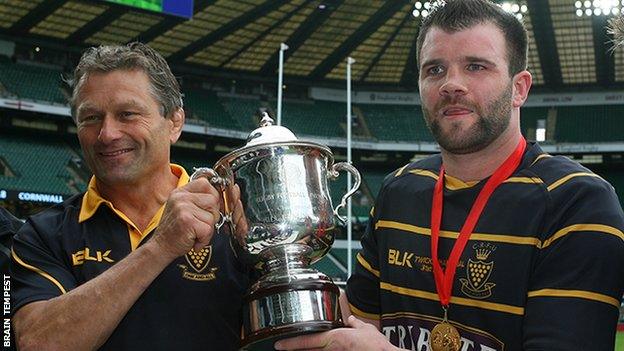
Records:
x=133, y=263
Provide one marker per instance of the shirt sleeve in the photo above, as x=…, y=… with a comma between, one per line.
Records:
x=38, y=270
x=578, y=275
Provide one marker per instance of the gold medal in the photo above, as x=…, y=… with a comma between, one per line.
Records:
x=445, y=337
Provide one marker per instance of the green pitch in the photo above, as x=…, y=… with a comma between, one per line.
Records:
x=619, y=341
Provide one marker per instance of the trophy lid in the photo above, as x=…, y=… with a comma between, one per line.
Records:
x=265, y=139
x=269, y=133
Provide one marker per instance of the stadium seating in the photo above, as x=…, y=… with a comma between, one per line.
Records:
x=373, y=181
x=205, y=106
x=189, y=162
x=243, y=111
x=392, y=123
x=40, y=165
x=31, y=82
x=601, y=123
x=315, y=118
x=403, y=123
x=310, y=118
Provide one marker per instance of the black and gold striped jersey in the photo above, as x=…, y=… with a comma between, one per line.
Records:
x=543, y=269
x=194, y=304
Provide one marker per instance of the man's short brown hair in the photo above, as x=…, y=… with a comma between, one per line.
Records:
x=456, y=15
x=133, y=56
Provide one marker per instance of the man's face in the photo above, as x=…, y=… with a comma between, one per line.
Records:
x=121, y=130
x=465, y=87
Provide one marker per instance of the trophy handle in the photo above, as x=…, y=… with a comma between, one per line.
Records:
x=333, y=174
x=215, y=179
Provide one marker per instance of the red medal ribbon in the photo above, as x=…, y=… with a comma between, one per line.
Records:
x=444, y=279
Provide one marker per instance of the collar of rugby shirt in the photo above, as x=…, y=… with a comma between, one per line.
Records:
x=92, y=200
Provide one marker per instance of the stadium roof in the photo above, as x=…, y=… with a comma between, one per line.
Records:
x=569, y=48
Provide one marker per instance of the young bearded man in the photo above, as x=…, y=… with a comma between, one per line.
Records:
x=492, y=244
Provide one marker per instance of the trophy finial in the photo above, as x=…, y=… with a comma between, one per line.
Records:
x=266, y=120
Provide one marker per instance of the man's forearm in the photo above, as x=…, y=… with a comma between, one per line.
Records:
x=84, y=318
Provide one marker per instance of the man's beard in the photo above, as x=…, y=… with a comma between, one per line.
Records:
x=491, y=123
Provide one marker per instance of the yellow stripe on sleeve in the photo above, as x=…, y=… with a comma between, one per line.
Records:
x=38, y=271
x=581, y=294
x=400, y=171
x=367, y=265
x=583, y=227
x=356, y=311
x=570, y=176
x=542, y=156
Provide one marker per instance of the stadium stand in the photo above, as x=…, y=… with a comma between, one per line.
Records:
x=189, y=162
x=30, y=82
x=317, y=118
x=205, y=106
x=601, y=123
x=403, y=123
x=38, y=165
x=307, y=118
x=242, y=110
x=373, y=181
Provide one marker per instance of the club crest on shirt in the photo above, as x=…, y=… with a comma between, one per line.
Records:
x=476, y=284
x=197, y=268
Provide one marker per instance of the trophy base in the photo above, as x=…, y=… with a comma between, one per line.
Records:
x=282, y=311
x=265, y=340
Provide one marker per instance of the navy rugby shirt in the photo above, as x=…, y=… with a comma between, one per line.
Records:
x=194, y=304
x=543, y=269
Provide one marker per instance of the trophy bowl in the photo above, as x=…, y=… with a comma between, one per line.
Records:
x=279, y=211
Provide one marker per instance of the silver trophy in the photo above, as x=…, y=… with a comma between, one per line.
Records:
x=280, y=214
